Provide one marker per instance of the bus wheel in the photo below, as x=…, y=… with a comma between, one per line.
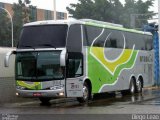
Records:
x=132, y=88
x=44, y=100
x=86, y=94
x=139, y=86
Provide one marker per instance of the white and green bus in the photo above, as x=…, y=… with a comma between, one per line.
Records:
x=80, y=58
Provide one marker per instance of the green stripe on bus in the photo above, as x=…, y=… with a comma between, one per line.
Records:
x=33, y=86
x=99, y=76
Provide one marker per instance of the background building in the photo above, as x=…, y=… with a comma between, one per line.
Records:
x=36, y=13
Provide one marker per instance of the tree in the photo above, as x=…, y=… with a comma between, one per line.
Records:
x=92, y=9
x=82, y=9
x=101, y=8
x=17, y=21
x=22, y=15
x=5, y=29
x=143, y=8
x=130, y=9
x=116, y=11
x=112, y=10
x=138, y=11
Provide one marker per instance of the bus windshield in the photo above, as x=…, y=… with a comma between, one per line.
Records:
x=43, y=36
x=38, y=66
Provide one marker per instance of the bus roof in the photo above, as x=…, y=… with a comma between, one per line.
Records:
x=50, y=22
x=87, y=22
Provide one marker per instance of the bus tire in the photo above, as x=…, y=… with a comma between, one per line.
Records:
x=132, y=86
x=139, y=86
x=86, y=94
x=44, y=100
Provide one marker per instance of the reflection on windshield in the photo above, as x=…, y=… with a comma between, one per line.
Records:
x=48, y=66
x=38, y=66
x=26, y=65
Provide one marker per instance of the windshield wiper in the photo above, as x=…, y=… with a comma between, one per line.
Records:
x=28, y=46
x=48, y=45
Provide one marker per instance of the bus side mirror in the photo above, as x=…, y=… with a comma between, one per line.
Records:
x=63, y=58
x=6, y=60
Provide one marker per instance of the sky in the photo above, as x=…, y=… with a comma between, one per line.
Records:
x=61, y=4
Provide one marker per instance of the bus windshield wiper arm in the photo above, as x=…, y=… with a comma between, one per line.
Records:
x=48, y=45
x=28, y=46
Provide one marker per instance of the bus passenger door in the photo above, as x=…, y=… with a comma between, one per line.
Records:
x=74, y=75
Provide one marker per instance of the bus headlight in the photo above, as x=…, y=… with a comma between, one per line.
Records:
x=17, y=94
x=61, y=94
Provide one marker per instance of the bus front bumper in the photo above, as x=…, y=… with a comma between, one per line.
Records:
x=41, y=93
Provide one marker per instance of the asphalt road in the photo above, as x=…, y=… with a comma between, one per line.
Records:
x=137, y=107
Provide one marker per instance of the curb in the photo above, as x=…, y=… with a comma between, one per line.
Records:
x=152, y=88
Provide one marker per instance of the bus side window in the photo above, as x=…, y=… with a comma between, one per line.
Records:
x=148, y=43
x=113, y=43
x=74, y=66
x=74, y=40
x=108, y=44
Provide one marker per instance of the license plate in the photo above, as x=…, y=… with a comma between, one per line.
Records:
x=37, y=94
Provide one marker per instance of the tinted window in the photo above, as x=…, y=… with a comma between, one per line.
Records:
x=38, y=66
x=92, y=33
x=74, y=41
x=43, y=36
x=141, y=42
x=74, y=65
x=26, y=65
x=116, y=38
x=103, y=37
x=148, y=42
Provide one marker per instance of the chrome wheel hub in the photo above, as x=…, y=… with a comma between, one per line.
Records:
x=85, y=93
x=138, y=85
x=132, y=88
